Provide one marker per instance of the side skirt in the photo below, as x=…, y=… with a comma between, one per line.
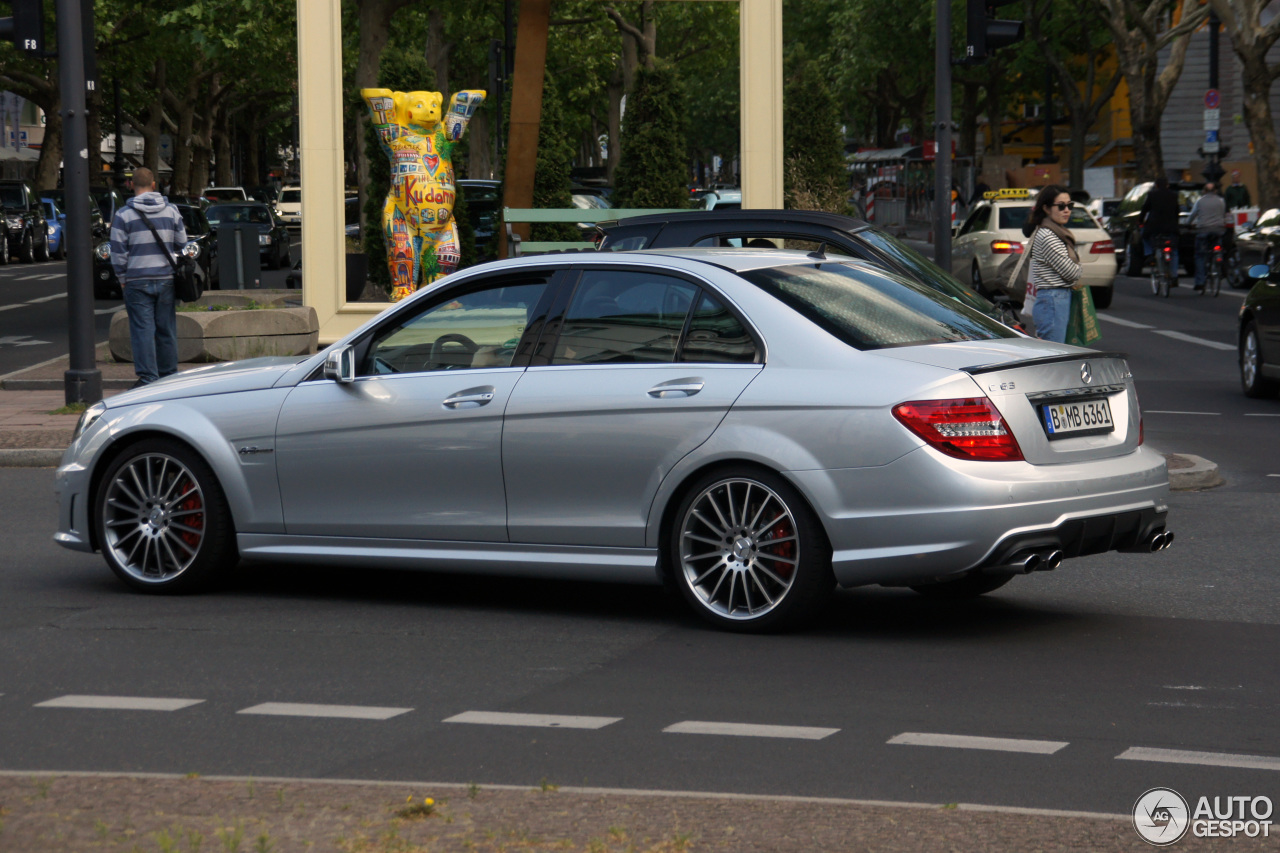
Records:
x=618, y=565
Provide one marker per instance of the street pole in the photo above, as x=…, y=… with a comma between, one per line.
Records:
x=118, y=164
x=83, y=381
x=942, y=134
x=1213, y=170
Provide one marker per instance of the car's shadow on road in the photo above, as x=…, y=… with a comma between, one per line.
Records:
x=867, y=612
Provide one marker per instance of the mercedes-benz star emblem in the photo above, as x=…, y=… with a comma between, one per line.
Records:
x=1085, y=373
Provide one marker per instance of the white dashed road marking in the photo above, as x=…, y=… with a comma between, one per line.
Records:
x=1210, y=759
x=1172, y=412
x=997, y=744
x=1192, y=339
x=350, y=712
x=699, y=727
x=51, y=277
x=1122, y=322
x=544, y=721
x=1262, y=414
x=47, y=298
x=28, y=277
x=120, y=703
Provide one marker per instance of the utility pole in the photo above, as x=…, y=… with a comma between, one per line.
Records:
x=83, y=381
x=118, y=162
x=1212, y=150
x=942, y=134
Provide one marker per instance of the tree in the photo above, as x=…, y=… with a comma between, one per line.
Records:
x=1073, y=45
x=551, y=182
x=1138, y=37
x=813, y=143
x=1252, y=41
x=653, y=174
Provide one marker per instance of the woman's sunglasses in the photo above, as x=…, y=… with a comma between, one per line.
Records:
x=1062, y=205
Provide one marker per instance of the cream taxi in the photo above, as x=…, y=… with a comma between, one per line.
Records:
x=992, y=232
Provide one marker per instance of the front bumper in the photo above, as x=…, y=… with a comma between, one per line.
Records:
x=926, y=517
x=71, y=489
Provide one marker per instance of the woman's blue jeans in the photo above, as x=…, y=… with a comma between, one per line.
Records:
x=1052, y=313
x=153, y=333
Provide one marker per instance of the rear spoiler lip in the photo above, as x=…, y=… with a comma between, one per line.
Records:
x=1034, y=362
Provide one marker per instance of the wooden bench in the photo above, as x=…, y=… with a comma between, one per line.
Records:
x=517, y=246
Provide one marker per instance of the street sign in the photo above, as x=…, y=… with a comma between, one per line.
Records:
x=1212, y=119
x=1210, y=142
x=1212, y=99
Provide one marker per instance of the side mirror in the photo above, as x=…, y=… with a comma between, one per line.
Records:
x=340, y=365
x=1259, y=271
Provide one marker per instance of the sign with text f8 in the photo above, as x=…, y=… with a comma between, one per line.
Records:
x=26, y=28
x=985, y=32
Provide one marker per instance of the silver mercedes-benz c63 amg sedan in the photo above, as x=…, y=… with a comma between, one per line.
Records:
x=751, y=427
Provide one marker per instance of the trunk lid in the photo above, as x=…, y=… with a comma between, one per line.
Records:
x=1022, y=376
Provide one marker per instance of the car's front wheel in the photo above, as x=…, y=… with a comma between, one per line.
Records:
x=162, y=520
x=969, y=586
x=1101, y=296
x=4, y=249
x=27, y=251
x=42, y=247
x=1252, y=382
x=747, y=553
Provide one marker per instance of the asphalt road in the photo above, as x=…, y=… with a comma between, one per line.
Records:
x=1115, y=674
x=33, y=311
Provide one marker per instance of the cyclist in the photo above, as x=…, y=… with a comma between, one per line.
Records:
x=1209, y=214
x=1159, y=218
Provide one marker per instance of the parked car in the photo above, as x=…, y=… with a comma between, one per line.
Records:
x=273, y=235
x=993, y=231
x=1103, y=209
x=216, y=194
x=27, y=231
x=56, y=220
x=107, y=286
x=1132, y=253
x=289, y=206
x=97, y=225
x=793, y=229
x=752, y=428
x=107, y=200
x=723, y=199
x=1259, y=327
x=1259, y=242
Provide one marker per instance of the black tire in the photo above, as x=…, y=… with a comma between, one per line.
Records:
x=1135, y=258
x=137, y=526
x=970, y=586
x=42, y=247
x=781, y=584
x=1101, y=296
x=4, y=249
x=1252, y=382
x=26, y=251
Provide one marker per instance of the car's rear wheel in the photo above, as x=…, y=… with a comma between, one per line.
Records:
x=747, y=552
x=1252, y=382
x=1101, y=296
x=969, y=586
x=162, y=520
x=4, y=249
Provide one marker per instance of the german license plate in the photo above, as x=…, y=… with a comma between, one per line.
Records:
x=1062, y=420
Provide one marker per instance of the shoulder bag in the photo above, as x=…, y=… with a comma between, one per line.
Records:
x=186, y=286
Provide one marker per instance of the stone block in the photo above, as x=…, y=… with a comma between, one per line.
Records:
x=232, y=334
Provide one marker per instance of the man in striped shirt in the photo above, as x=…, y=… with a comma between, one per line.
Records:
x=141, y=264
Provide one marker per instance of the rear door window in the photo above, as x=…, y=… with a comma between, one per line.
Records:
x=624, y=317
x=716, y=335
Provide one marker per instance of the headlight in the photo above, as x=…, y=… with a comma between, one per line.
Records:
x=50, y=230
x=264, y=239
x=15, y=222
x=103, y=252
x=191, y=250
x=87, y=417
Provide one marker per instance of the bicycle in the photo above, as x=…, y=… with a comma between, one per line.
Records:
x=1215, y=270
x=1162, y=269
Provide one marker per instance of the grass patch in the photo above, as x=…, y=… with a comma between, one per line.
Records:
x=249, y=306
x=70, y=409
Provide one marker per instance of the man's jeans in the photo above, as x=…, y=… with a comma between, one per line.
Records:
x=1204, y=250
x=1052, y=312
x=152, y=328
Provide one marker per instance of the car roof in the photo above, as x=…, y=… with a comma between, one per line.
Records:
x=742, y=260
x=744, y=217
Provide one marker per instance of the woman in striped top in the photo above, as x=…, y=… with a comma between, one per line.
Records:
x=1055, y=264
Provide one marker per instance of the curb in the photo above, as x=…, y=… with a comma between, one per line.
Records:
x=1188, y=472
x=59, y=384
x=30, y=458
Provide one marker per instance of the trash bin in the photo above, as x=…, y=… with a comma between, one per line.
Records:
x=239, y=264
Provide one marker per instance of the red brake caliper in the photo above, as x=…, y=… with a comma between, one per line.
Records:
x=786, y=550
x=195, y=520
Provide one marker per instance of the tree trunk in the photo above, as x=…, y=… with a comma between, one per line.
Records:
x=252, y=162
x=1262, y=130
x=182, y=148
x=438, y=50
x=221, y=130
x=480, y=163
x=375, y=31
x=47, y=167
x=93, y=129
x=616, y=90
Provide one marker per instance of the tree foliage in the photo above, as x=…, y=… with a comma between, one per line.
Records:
x=813, y=142
x=653, y=173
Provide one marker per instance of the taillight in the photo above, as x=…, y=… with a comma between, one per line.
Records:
x=971, y=428
x=598, y=239
x=1217, y=248
x=1005, y=247
x=1103, y=247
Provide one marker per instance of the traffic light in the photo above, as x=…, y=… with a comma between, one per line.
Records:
x=26, y=28
x=986, y=33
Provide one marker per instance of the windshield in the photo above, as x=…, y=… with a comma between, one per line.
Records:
x=226, y=213
x=11, y=197
x=291, y=197
x=1012, y=218
x=921, y=268
x=191, y=220
x=871, y=308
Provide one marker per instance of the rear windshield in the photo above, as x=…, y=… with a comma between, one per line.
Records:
x=291, y=197
x=870, y=308
x=922, y=269
x=1016, y=217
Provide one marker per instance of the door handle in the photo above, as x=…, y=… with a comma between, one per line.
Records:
x=683, y=387
x=471, y=398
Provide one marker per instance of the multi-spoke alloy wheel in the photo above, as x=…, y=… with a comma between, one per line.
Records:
x=1251, y=379
x=748, y=554
x=162, y=521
